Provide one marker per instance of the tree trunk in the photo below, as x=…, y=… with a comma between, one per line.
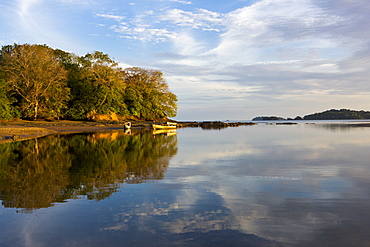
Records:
x=36, y=110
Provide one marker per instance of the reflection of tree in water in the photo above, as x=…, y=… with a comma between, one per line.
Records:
x=37, y=173
x=33, y=174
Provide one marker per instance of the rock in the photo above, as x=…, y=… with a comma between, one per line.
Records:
x=15, y=137
x=105, y=117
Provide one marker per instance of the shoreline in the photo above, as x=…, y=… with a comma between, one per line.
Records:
x=20, y=130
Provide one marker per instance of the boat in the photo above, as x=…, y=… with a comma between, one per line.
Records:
x=166, y=132
x=127, y=125
x=168, y=125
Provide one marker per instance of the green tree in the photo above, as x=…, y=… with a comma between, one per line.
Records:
x=43, y=82
x=96, y=85
x=7, y=111
x=147, y=94
x=36, y=77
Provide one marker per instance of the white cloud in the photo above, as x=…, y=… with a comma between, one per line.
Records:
x=25, y=5
x=36, y=22
x=25, y=13
x=177, y=1
x=137, y=28
x=265, y=31
x=291, y=49
x=201, y=19
x=117, y=18
x=143, y=34
x=165, y=25
x=186, y=44
x=77, y=2
x=42, y=22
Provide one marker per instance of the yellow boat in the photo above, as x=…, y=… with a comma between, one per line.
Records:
x=167, y=132
x=167, y=125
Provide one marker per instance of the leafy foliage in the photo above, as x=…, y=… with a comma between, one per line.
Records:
x=39, y=81
x=36, y=78
x=96, y=86
x=147, y=94
x=7, y=111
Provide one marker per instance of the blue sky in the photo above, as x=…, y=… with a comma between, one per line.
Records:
x=233, y=59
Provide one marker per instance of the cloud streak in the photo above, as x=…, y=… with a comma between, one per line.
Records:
x=201, y=19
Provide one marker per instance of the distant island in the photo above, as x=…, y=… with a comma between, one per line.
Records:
x=332, y=114
x=265, y=118
x=338, y=114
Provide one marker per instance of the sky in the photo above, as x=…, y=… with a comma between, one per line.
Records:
x=224, y=59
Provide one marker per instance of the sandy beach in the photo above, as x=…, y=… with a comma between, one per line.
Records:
x=22, y=130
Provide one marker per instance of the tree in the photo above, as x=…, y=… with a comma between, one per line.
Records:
x=97, y=86
x=7, y=111
x=43, y=82
x=147, y=94
x=36, y=78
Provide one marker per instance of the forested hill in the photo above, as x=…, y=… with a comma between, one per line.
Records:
x=332, y=114
x=338, y=114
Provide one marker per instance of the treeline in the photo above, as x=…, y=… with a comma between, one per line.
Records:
x=38, y=82
x=332, y=114
x=338, y=114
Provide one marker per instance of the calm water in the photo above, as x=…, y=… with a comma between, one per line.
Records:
x=263, y=185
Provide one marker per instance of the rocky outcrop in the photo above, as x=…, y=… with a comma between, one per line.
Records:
x=105, y=117
x=213, y=124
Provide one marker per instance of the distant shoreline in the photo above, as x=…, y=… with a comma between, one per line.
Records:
x=332, y=114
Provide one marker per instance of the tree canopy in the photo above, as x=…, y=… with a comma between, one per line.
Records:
x=37, y=81
x=147, y=94
x=338, y=114
x=35, y=78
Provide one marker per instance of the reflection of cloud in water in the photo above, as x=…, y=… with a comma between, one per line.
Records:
x=206, y=214
x=261, y=211
x=266, y=185
x=272, y=185
x=198, y=156
x=252, y=210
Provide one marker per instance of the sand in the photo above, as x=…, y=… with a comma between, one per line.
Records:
x=22, y=130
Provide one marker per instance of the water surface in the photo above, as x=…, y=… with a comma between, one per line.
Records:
x=262, y=185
